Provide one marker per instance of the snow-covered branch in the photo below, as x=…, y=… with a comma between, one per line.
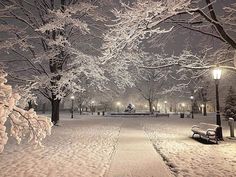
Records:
x=190, y=61
x=22, y=122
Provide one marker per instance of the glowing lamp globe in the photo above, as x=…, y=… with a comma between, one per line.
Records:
x=217, y=73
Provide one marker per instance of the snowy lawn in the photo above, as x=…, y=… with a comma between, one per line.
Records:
x=188, y=157
x=83, y=147
x=79, y=148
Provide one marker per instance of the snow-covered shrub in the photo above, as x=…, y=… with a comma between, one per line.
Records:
x=23, y=123
x=230, y=104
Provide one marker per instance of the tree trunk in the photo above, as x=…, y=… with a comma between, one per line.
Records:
x=175, y=109
x=205, y=109
x=80, y=109
x=150, y=106
x=30, y=105
x=44, y=108
x=218, y=25
x=55, y=111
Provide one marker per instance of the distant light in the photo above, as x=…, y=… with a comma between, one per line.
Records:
x=118, y=103
x=202, y=105
x=72, y=97
x=183, y=104
x=165, y=102
x=191, y=97
x=217, y=73
x=92, y=102
x=145, y=106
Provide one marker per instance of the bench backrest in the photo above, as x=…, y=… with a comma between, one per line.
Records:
x=205, y=126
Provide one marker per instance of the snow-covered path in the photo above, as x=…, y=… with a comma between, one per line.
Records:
x=134, y=155
x=85, y=147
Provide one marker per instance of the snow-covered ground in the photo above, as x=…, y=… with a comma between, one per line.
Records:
x=78, y=148
x=188, y=157
x=83, y=147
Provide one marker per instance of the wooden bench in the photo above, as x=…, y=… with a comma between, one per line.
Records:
x=206, y=131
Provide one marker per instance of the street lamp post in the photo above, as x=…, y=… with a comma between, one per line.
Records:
x=165, y=106
x=217, y=75
x=183, y=107
x=202, y=108
x=72, y=106
x=118, y=106
x=192, y=98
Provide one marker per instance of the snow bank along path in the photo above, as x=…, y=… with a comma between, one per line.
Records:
x=78, y=148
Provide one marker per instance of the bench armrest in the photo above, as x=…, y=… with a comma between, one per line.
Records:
x=195, y=126
x=210, y=130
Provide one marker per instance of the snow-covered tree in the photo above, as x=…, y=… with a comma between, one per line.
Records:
x=142, y=24
x=52, y=37
x=230, y=104
x=23, y=123
x=152, y=25
x=213, y=21
x=150, y=83
x=202, y=94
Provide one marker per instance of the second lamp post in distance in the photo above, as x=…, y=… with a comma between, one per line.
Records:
x=72, y=106
x=192, y=99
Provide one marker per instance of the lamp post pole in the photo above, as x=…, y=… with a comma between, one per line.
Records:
x=72, y=106
x=165, y=106
x=183, y=107
x=217, y=75
x=202, y=109
x=218, y=120
x=191, y=97
x=118, y=106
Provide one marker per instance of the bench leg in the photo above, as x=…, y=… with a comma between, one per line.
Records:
x=216, y=140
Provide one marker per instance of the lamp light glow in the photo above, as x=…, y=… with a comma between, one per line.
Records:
x=217, y=73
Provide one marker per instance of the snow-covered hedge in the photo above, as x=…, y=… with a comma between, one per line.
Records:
x=23, y=123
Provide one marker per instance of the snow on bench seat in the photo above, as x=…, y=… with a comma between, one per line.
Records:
x=206, y=131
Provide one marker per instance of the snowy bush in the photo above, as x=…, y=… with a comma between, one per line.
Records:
x=230, y=104
x=23, y=123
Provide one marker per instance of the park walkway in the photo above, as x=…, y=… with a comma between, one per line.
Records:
x=134, y=155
